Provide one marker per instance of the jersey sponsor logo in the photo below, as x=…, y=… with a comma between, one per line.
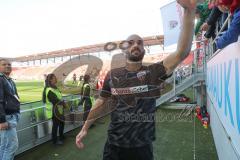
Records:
x=129, y=90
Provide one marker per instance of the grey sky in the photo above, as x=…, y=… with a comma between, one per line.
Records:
x=34, y=26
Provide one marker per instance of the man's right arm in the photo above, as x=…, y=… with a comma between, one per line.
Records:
x=185, y=38
x=97, y=111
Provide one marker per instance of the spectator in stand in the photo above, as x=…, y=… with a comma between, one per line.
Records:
x=231, y=35
x=202, y=11
x=210, y=24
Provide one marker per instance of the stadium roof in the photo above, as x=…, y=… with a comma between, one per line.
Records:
x=148, y=41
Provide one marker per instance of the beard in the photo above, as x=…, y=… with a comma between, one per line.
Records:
x=135, y=55
x=8, y=71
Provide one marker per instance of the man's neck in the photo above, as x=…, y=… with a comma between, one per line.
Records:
x=133, y=66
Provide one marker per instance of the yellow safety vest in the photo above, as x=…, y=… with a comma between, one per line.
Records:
x=49, y=106
x=91, y=98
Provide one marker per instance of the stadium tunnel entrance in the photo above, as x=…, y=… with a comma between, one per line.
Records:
x=66, y=68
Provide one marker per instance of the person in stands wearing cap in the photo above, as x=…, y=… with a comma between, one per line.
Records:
x=233, y=32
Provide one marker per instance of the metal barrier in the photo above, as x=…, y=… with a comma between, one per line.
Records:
x=34, y=128
x=186, y=83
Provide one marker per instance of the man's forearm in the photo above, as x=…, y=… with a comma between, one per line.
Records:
x=186, y=34
x=98, y=110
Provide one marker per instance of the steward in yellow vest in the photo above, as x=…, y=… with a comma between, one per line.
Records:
x=86, y=100
x=54, y=110
x=53, y=96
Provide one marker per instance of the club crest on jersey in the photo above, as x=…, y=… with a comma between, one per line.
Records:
x=141, y=75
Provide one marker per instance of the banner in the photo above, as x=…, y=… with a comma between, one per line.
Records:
x=172, y=21
x=223, y=88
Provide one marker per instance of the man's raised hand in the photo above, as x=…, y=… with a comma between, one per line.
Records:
x=189, y=4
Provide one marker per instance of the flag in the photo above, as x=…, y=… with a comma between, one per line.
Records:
x=172, y=21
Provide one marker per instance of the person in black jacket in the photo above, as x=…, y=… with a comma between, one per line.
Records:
x=9, y=112
x=210, y=25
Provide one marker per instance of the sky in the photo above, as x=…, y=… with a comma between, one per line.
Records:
x=36, y=26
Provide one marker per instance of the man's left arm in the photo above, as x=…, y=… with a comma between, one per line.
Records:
x=185, y=39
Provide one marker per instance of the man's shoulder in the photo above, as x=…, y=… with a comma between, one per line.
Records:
x=2, y=76
x=3, y=79
x=158, y=69
x=49, y=89
x=86, y=85
x=116, y=71
x=157, y=64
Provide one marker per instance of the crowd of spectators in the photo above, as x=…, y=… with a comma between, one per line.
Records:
x=211, y=16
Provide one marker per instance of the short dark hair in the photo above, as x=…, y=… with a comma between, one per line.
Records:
x=47, y=84
x=86, y=78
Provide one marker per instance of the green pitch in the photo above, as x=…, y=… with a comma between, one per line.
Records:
x=175, y=141
x=30, y=91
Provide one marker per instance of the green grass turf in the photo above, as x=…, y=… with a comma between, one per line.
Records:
x=189, y=93
x=30, y=91
x=175, y=141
